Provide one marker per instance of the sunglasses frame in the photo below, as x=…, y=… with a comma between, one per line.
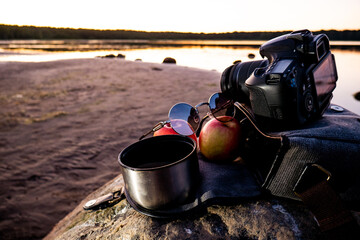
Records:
x=210, y=113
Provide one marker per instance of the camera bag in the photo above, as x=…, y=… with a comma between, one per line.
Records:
x=318, y=164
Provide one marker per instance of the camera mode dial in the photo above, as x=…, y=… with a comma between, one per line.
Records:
x=308, y=102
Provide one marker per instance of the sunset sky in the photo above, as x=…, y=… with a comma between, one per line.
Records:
x=185, y=15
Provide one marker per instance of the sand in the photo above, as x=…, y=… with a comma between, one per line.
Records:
x=63, y=124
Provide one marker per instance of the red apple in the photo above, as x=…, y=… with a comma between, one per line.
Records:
x=219, y=141
x=168, y=130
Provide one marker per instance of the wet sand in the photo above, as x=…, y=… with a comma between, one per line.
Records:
x=63, y=123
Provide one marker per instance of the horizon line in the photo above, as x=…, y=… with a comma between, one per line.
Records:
x=170, y=31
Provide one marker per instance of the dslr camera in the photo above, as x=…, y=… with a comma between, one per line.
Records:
x=292, y=86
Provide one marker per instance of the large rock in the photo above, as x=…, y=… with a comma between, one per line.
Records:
x=169, y=60
x=357, y=96
x=250, y=219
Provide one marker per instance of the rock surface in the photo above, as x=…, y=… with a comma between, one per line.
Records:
x=261, y=218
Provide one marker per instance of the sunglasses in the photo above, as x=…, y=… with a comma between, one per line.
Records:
x=185, y=119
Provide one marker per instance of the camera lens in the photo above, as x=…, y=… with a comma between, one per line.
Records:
x=233, y=79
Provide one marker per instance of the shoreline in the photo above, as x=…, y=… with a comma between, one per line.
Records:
x=64, y=122
x=85, y=45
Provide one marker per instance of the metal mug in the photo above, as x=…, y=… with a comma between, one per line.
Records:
x=160, y=171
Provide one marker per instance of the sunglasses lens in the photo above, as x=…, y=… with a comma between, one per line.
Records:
x=221, y=106
x=184, y=119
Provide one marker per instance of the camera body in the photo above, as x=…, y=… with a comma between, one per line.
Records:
x=293, y=85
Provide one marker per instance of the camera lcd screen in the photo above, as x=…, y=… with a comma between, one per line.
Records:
x=281, y=66
x=325, y=77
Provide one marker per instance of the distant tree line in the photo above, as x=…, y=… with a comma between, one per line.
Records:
x=32, y=32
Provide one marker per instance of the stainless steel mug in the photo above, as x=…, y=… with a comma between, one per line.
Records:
x=160, y=171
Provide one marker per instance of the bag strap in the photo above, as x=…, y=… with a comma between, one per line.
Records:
x=316, y=191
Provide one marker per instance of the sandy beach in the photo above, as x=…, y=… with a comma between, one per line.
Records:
x=63, y=124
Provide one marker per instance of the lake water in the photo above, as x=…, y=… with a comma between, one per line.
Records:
x=209, y=55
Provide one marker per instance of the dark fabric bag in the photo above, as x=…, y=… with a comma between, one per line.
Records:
x=332, y=142
x=318, y=164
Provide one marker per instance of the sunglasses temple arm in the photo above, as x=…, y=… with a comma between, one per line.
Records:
x=200, y=125
x=154, y=129
x=144, y=135
x=204, y=118
x=226, y=105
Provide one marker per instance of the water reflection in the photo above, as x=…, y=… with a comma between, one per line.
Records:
x=94, y=45
x=210, y=55
x=347, y=63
